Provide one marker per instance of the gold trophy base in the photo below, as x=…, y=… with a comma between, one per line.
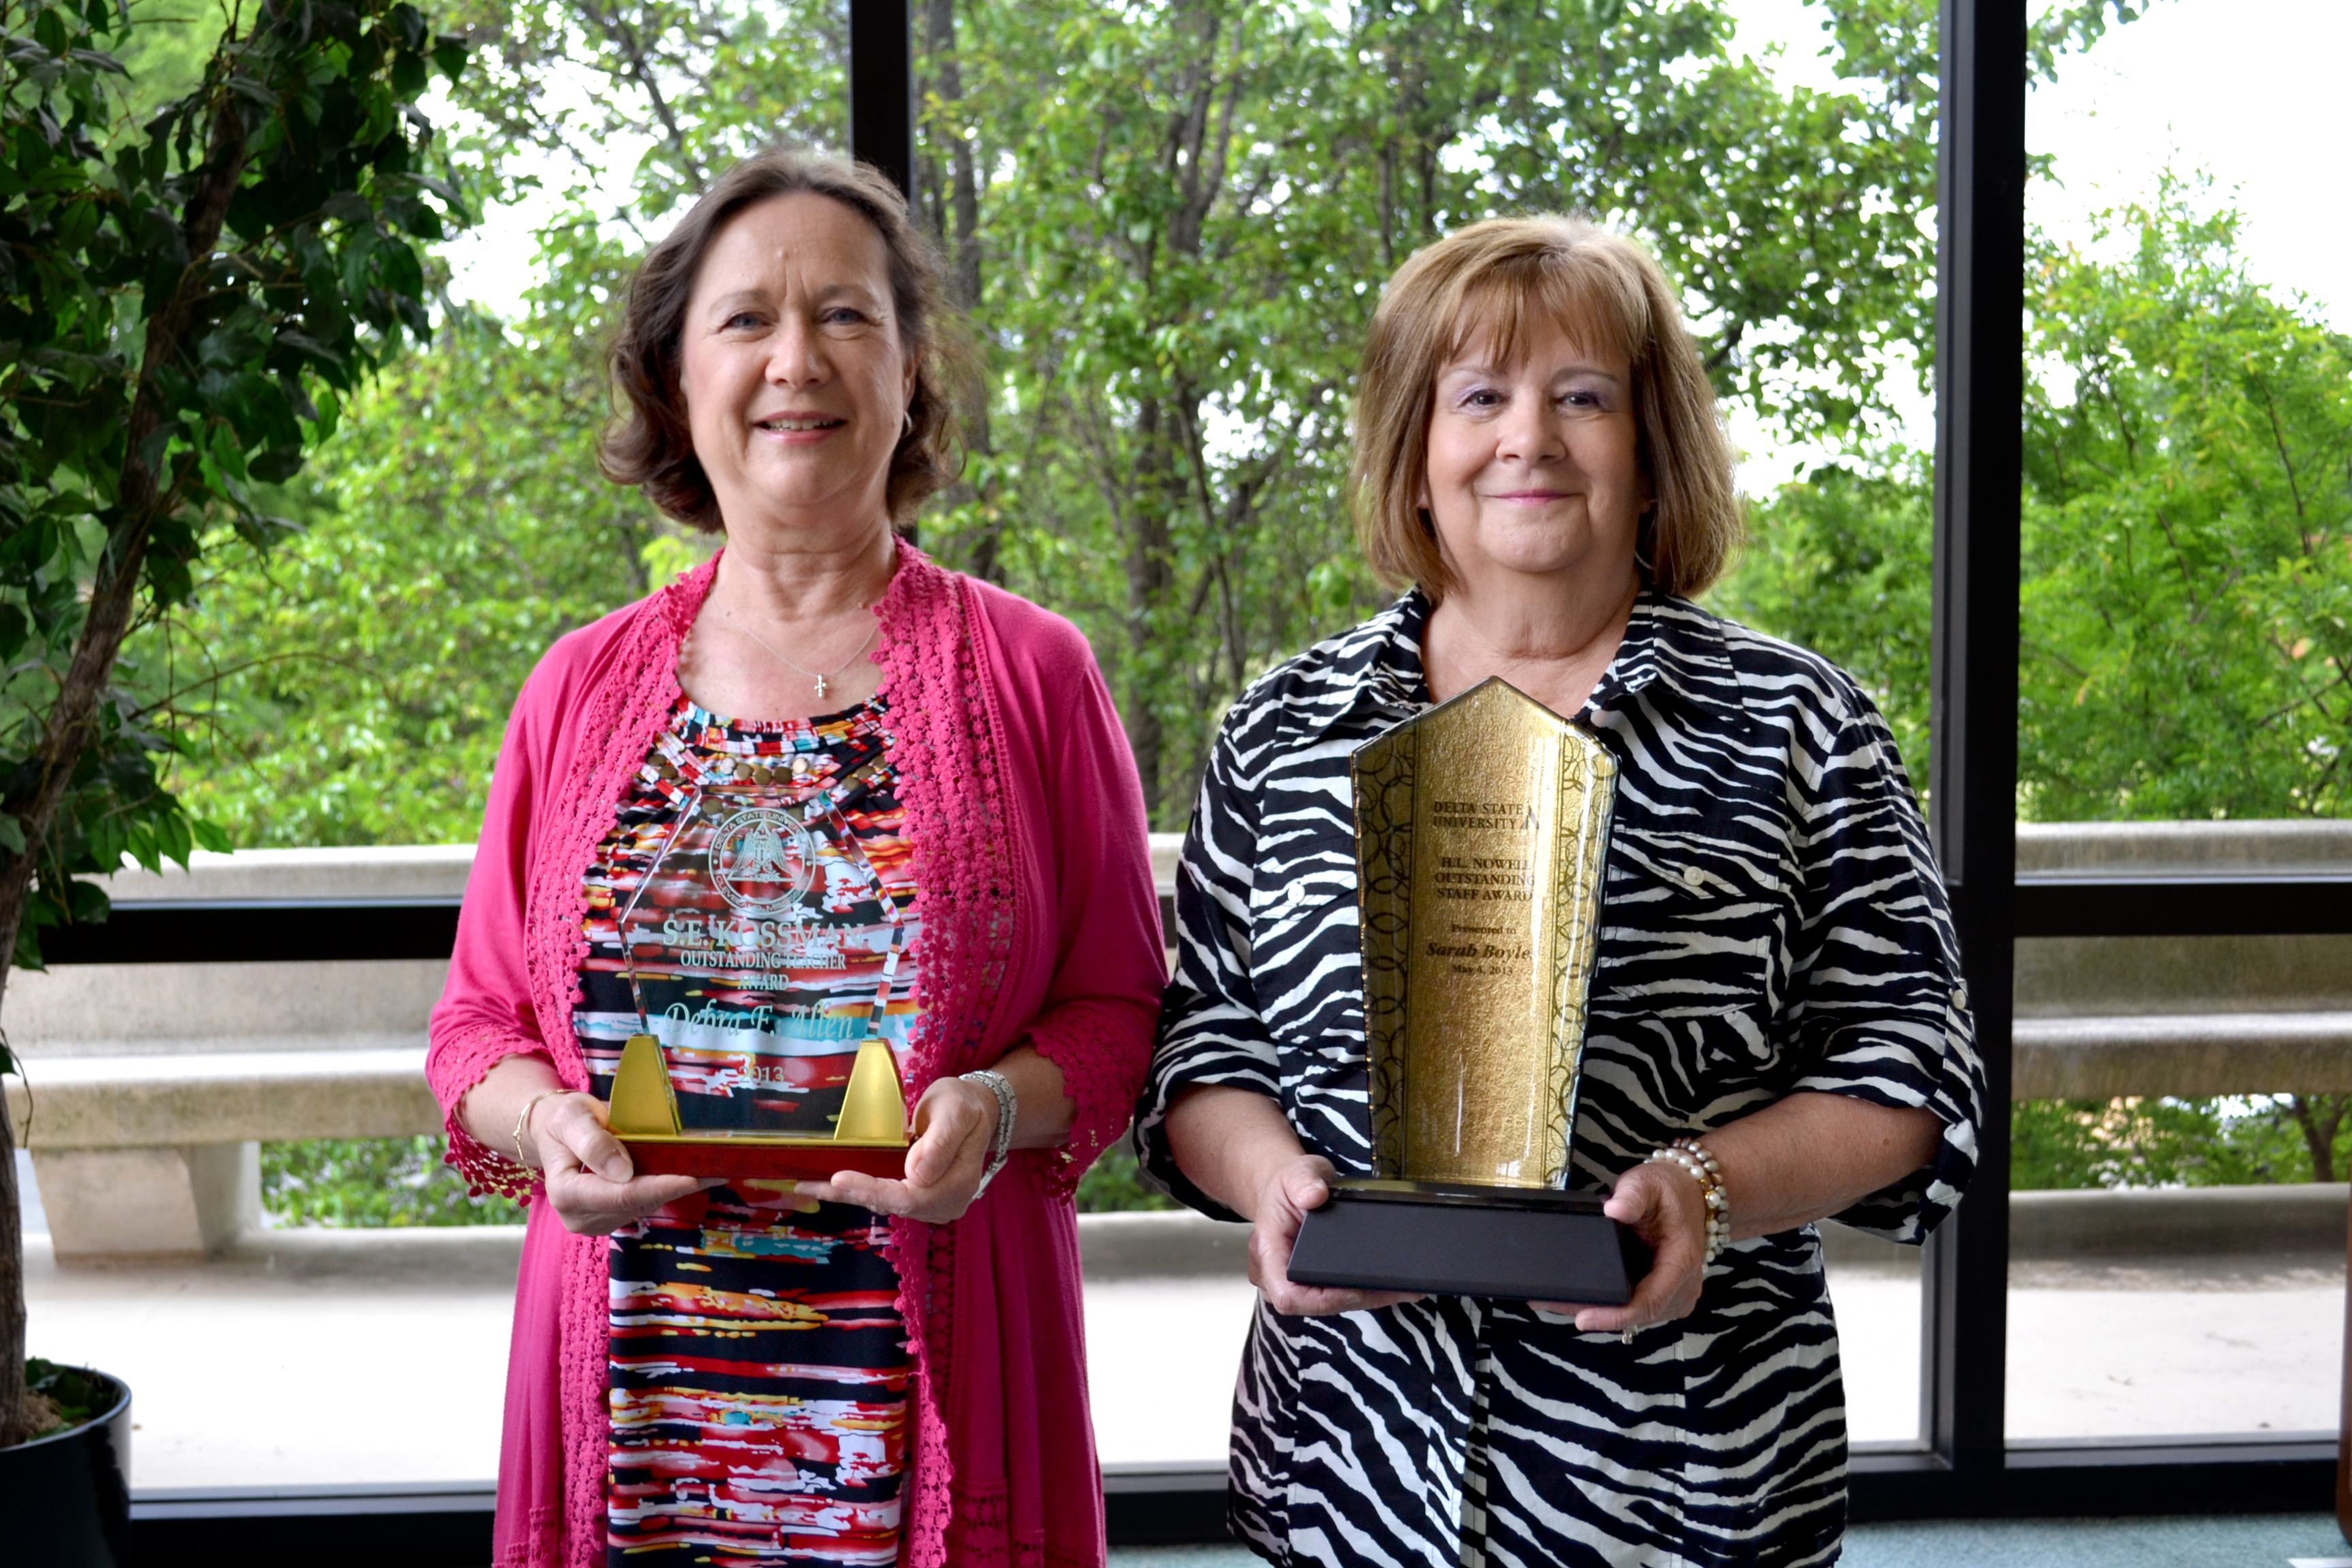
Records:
x=870, y=1135
x=1524, y=1244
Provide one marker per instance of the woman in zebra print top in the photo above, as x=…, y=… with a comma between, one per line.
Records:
x=1538, y=451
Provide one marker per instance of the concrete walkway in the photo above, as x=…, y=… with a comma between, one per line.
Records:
x=2259, y=1540
x=302, y=1358
x=329, y=1357
x=379, y=1356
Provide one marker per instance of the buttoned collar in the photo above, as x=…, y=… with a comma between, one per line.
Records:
x=1670, y=643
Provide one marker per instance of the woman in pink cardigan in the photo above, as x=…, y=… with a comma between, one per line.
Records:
x=863, y=1370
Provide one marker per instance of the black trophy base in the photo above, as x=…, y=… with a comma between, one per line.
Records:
x=1523, y=1244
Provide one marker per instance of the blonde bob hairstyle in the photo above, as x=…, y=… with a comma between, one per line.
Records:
x=1498, y=281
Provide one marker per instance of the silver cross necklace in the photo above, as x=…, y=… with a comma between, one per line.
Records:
x=819, y=678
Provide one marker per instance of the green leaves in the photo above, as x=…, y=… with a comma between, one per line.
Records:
x=186, y=284
x=354, y=687
x=1839, y=563
x=2187, y=646
x=2158, y=1142
x=1184, y=214
x=1173, y=223
x=72, y=1394
x=372, y=1182
x=2188, y=533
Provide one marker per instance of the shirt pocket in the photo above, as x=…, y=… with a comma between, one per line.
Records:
x=1696, y=940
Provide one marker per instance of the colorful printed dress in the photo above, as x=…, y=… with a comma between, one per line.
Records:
x=759, y=1368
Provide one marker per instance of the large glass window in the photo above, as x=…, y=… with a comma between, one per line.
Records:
x=2178, y=1220
x=1165, y=328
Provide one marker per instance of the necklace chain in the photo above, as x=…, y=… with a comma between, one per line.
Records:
x=819, y=677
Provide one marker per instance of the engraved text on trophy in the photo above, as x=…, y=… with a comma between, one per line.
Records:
x=1477, y=1046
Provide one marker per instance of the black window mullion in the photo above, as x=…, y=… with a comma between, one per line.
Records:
x=882, y=88
x=1972, y=801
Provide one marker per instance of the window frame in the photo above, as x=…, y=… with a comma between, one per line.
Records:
x=1963, y=1465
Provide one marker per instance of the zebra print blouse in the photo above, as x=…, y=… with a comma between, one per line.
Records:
x=1773, y=921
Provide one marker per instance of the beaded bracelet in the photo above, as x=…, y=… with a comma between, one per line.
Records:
x=1008, y=1108
x=1692, y=1156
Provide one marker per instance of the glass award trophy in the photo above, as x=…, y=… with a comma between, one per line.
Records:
x=748, y=1071
x=1482, y=836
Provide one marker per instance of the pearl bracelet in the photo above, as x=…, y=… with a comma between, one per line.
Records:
x=1008, y=1110
x=1694, y=1156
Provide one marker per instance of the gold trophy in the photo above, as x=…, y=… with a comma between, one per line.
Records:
x=1482, y=838
x=737, y=1080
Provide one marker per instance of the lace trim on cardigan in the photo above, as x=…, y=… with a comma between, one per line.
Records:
x=583, y=1349
x=943, y=709
x=529, y=1550
x=617, y=725
x=1097, y=1057
x=615, y=729
x=487, y=1171
x=982, y=1535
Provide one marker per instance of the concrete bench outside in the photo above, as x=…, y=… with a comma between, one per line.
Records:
x=153, y=1084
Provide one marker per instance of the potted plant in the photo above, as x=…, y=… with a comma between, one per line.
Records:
x=66, y=1491
x=186, y=289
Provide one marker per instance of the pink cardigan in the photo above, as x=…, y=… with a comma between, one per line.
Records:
x=1038, y=924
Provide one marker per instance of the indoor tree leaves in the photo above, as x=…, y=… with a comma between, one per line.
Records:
x=183, y=285
x=179, y=284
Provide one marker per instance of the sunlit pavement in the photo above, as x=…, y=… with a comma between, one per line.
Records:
x=306, y=1357
x=2259, y=1540
x=332, y=1357
x=302, y=1358
x=2120, y=1348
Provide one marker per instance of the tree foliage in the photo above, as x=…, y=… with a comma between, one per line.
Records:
x=357, y=682
x=1170, y=224
x=187, y=300
x=2186, y=610
x=2138, y=1142
x=2188, y=607
x=376, y=1183
x=1839, y=563
x=187, y=292
x=677, y=90
x=1173, y=223
x=355, y=686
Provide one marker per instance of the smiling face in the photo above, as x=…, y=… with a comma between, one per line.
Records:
x=1534, y=467
x=794, y=378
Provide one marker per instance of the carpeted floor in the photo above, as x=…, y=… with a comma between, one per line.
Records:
x=2258, y=1541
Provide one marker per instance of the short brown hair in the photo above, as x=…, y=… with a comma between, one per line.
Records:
x=651, y=444
x=1504, y=275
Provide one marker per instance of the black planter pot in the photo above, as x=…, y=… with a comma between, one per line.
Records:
x=65, y=1500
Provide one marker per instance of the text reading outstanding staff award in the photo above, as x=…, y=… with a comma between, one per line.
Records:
x=754, y=1078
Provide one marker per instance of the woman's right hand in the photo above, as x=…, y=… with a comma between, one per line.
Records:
x=1237, y=1146
x=590, y=1181
x=1291, y=1190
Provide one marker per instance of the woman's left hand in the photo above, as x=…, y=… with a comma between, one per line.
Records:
x=1662, y=1205
x=955, y=1126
